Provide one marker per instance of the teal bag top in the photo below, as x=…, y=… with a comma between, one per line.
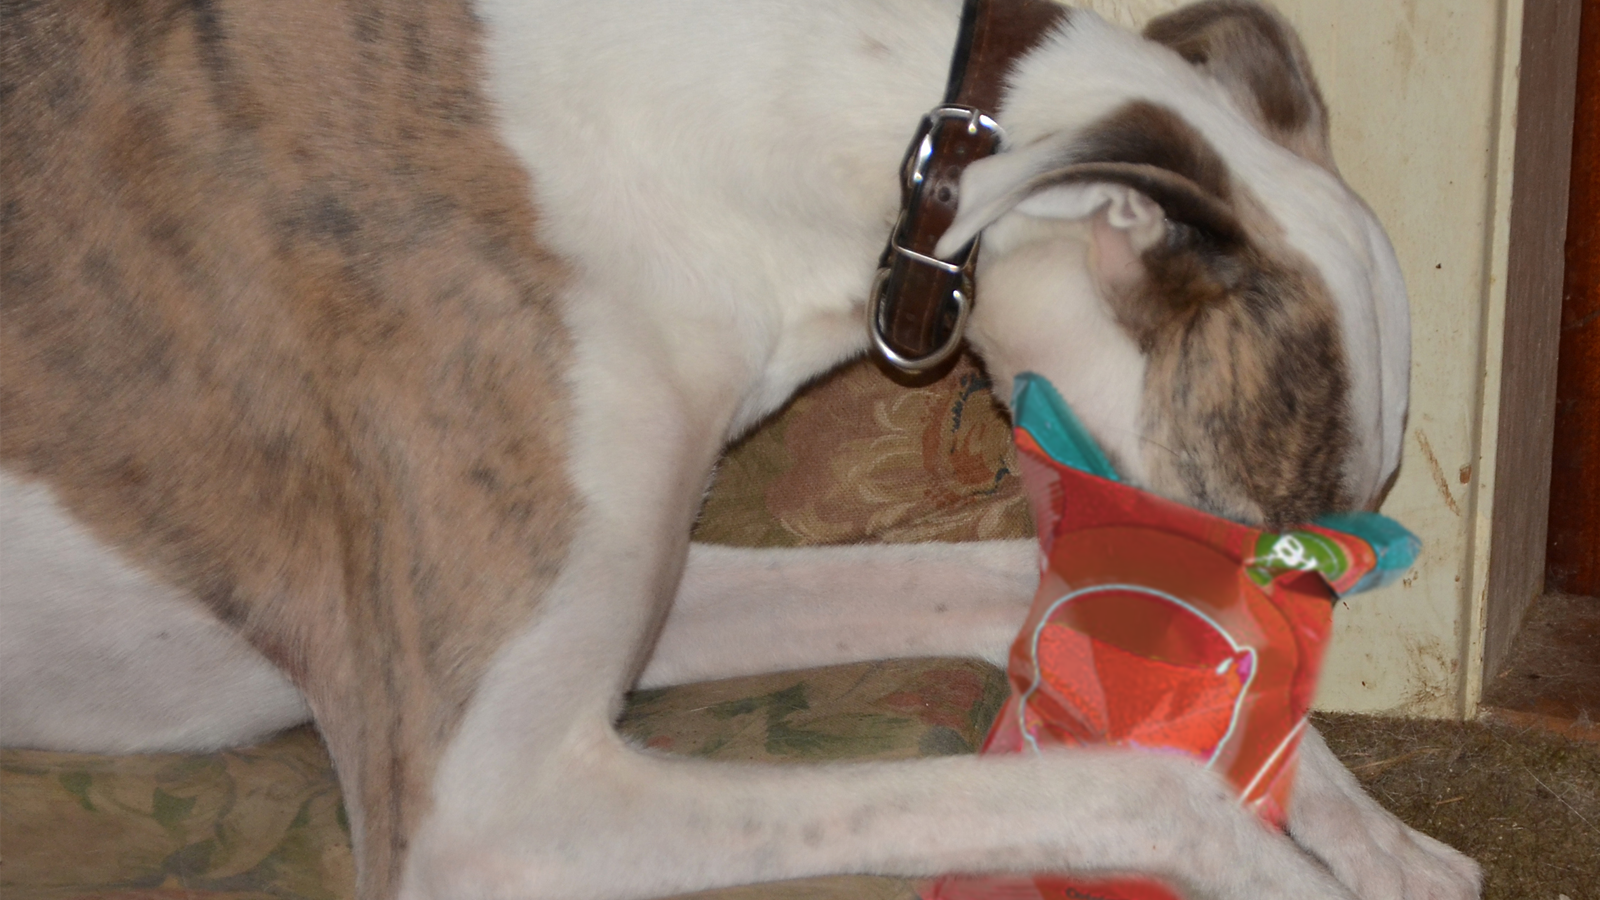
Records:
x=1039, y=409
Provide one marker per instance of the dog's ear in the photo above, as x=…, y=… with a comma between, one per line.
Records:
x=1142, y=178
x=1253, y=52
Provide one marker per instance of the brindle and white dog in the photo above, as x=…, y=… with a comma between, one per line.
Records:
x=368, y=361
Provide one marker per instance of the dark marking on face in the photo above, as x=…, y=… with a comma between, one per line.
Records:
x=1153, y=150
x=1146, y=134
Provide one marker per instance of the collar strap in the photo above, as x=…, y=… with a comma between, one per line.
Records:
x=918, y=307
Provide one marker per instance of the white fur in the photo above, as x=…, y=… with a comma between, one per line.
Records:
x=720, y=174
x=841, y=604
x=97, y=655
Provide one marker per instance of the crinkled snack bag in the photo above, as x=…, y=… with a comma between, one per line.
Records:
x=1160, y=627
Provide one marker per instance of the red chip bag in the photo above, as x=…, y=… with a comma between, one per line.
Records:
x=1161, y=628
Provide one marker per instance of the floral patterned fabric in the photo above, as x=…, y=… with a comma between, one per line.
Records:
x=260, y=821
x=856, y=458
x=861, y=458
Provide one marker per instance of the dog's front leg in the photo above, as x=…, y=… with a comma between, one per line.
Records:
x=538, y=796
x=741, y=611
x=593, y=818
x=1373, y=852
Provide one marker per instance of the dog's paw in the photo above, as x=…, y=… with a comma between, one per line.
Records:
x=1375, y=854
x=1381, y=858
x=1214, y=846
x=1370, y=851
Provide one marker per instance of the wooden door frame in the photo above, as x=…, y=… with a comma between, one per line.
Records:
x=1546, y=93
x=1573, y=562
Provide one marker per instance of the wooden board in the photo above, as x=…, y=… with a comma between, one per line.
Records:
x=1573, y=561
x=1545, y=97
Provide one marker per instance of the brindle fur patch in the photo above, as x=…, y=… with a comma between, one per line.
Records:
x=1245, y=390
x=277, y=326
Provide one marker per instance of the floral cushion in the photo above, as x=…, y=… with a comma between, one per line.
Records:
x=856, y=458
x=861, y=458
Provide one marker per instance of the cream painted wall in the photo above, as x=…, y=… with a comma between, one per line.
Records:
x=1420, y=91
x=1422, y=94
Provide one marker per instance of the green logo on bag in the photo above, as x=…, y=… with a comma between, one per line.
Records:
x=1296, y=551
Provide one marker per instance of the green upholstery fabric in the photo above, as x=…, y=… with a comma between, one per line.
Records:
x=857, y=458
x=267, y=821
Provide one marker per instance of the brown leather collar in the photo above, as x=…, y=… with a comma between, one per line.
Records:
x=919, y=303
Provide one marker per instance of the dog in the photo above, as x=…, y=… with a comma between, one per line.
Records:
x=368, y=362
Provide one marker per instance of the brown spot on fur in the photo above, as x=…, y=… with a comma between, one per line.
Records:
x=273, y=304
x=1146, y=134
x=1254, y=53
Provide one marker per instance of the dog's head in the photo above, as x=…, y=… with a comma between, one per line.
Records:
x=1168, y=241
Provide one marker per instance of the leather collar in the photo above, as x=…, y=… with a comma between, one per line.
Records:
x=919, y=303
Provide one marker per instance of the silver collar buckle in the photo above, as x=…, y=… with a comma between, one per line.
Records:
x=959, y=268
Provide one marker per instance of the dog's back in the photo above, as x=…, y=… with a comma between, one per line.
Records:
x=267, y=267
